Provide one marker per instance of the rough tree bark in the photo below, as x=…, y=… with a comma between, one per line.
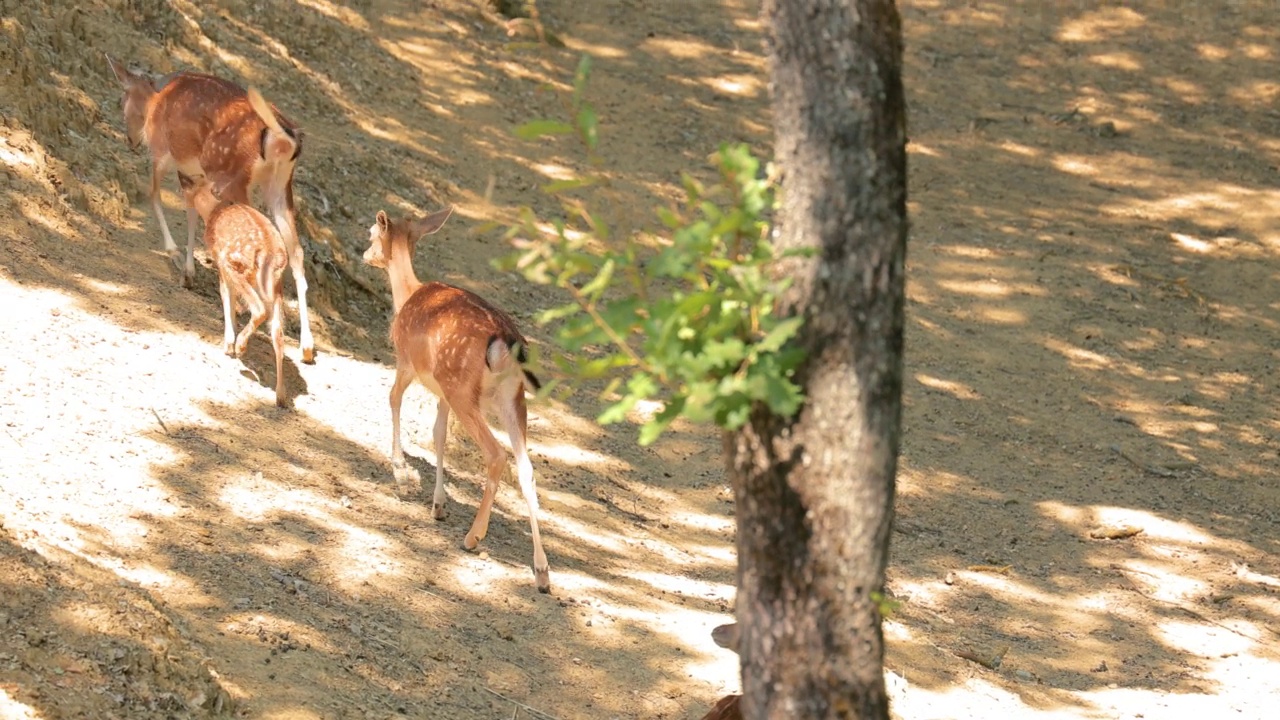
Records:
x=814, y=493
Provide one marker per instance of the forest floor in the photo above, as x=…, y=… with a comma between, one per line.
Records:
x=1091, y=352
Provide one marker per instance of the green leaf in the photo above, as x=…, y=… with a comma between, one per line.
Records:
x=725, y=353
x=580, y=77
x=782, y=396
x=669, y=218
x=598, y=367
x=601, y=280
x=539, y=128
x=588, y=125
x=782, y=332
x=555, y=313
x=621, y=314
x=617, y=412
x=651, y=430
x=559, y=186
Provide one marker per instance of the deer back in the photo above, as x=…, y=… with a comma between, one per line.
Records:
x=183, y=113
x=446, y=333
x=242, y=240
x=208, y=125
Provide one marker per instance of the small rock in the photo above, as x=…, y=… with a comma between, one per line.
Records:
x=1023, y=675
x=1100, y=667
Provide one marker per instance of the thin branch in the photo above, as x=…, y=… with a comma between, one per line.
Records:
x=519, y=705
x=614, y=337
x=163, y=427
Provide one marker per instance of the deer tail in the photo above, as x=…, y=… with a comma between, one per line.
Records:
x=272, y=266
x=276, y=139
x=500, y=354
x=264, y=111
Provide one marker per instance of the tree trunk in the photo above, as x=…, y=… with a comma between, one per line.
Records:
x=814, y=493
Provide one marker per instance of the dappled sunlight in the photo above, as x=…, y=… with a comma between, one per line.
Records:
x=989, y=287
x=681, y=585
x=681, y=49
x=741, y=85
x=14, y=710
x=703, y=521
x=341, y=13
x=1118, y=60
x=556, y=171
x=596, y=49
x=959, y=390
x=484, y=578
x=572, y=454
x=1104, y=24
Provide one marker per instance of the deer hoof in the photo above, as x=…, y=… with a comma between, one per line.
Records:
x=437, y=511
x=542, y=578
x=309, y=355
x=230, y=349
x=407, y=478
x=470, y=542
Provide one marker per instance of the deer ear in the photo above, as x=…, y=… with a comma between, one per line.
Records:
x=383, y=222
x=431, y=223
x=120, y=72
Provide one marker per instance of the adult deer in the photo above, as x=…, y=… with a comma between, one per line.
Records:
x=251, y=257
x=205, y=125
x=471, y=356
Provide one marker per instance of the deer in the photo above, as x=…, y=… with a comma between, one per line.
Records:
x=204, y=125
x=468, y=354
x=728, y=707
x=250, y=256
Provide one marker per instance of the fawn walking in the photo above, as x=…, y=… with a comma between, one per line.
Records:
x=470, y=355
x=250, y=257
x=205, y=125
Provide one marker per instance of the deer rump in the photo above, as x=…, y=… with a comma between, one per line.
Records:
x=435, y=332
x=213, y=119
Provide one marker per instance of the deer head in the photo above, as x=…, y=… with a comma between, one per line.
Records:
x=138, y=89
x=385, y=231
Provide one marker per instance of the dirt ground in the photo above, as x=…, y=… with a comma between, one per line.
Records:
x=1091, y=353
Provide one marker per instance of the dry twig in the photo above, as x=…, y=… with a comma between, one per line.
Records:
x=519, y=705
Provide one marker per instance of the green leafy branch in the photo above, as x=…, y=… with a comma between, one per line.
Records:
x=684, y=315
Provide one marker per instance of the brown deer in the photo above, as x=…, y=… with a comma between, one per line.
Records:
x=471, y=356
x=204, y=125
x=728, y=707
x=251, y=258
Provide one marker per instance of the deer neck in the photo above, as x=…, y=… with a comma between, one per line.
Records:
x=205, y=203
x=404, y=282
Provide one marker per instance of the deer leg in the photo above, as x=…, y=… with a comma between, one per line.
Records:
x=159, y=168
x=495, y=468
x=441, y=437
x=281, y=203
x=515, y=421
x=305, y=342
x=228, y=316
x=404, y=474
x=277, y=345
x=257, y=313
x=189, y=269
